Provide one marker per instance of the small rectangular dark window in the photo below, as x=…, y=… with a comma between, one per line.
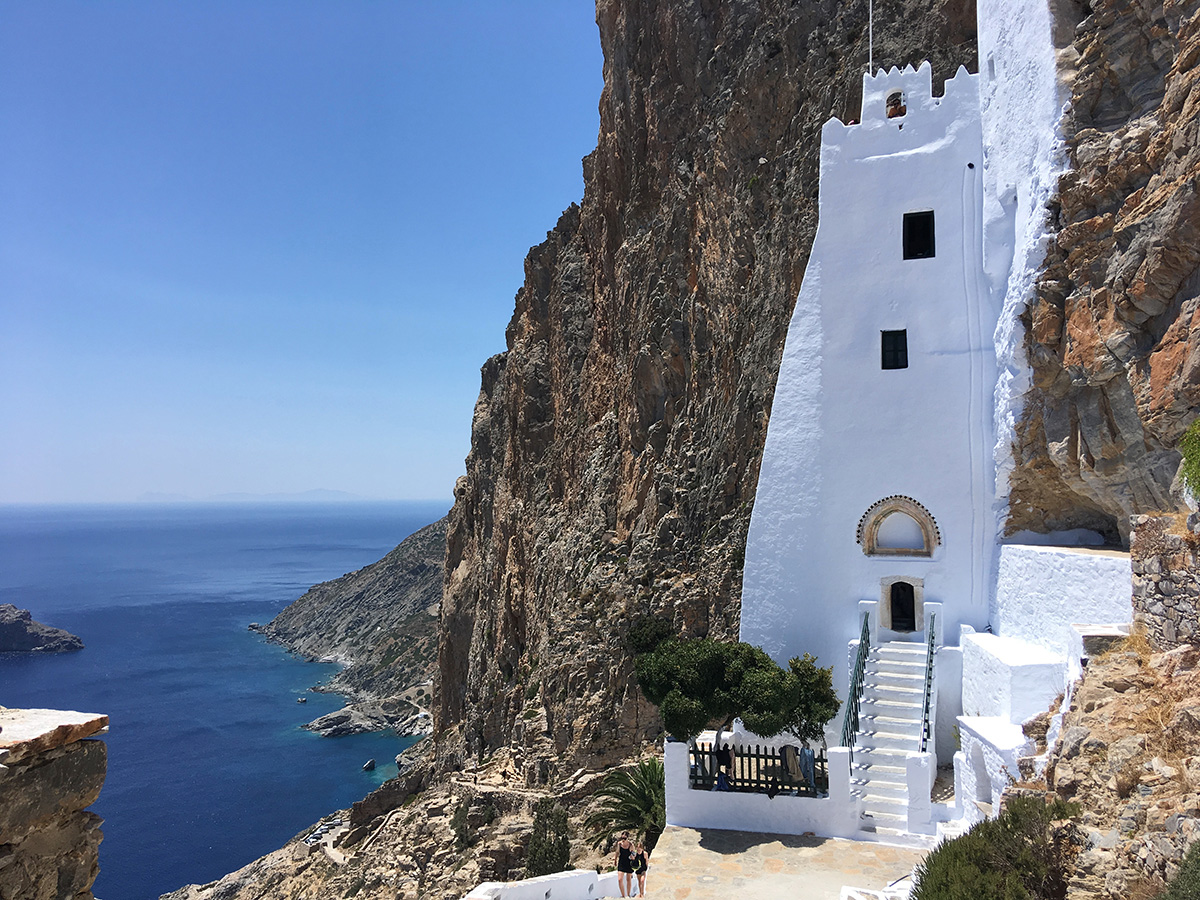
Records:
x=895, y=349
x=918, y=235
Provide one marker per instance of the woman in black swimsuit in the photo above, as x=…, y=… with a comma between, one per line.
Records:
x=641, y=862
x=624, y=861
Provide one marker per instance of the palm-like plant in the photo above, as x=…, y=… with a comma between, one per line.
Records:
x=633, y=800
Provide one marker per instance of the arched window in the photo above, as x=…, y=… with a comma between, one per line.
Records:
x=898, y=526
x=895, y=105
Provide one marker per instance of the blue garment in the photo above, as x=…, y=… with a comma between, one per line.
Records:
x=722, y=783
x=808, y=761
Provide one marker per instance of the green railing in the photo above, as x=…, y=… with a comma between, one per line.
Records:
x=850, y=723
x=928, y=684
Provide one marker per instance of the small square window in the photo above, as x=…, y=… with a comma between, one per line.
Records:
x=918, y=235
x=895, y=349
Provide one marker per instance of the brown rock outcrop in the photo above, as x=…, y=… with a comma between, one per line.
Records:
x=1116, y=368
x=49, y=775
x=616, y=443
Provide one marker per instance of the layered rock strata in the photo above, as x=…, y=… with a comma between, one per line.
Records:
x=616, y=443
x=50, y=773
x=20, y=633
x=1116, y=371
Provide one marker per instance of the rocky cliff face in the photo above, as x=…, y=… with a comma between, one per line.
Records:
x=616, y=443
x=1116, y=371
x=380, y=620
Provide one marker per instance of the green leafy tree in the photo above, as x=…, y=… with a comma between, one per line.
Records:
x=698, y=681
x=1020, y=855
x=809, y=698
x=550, y=843
x=633, y=800
x=1189, y=446
x=1186, y=885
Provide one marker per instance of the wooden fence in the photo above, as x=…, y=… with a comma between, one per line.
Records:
x=758, y=770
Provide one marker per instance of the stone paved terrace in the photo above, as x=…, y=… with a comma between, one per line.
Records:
x=690, y=864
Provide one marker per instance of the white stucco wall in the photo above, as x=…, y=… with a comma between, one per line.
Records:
x=583, y=884
x=1021, y=100
x=1042, y=591
x=1009, y=678
x=844, y=433
x=987, y=761
x=833, y=816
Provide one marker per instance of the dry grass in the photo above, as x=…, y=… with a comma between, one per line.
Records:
x=1137, y=642
x=1146, y=889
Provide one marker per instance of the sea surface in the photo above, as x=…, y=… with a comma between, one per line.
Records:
x=208, y=767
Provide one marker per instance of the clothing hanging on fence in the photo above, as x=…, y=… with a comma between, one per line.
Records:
x=724, y=757
x=791, y=761
x=808, y=761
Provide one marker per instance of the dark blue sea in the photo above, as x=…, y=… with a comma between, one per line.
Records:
x=208, y=767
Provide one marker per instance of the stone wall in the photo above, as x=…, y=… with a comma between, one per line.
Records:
x=49, y=774
x=1165, y=586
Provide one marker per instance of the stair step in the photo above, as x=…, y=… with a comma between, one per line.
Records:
x=880, y=756
x=891, y=709
x=886, y=740
x=894, y=693
x=887, y=818
x=886, y=725
x=915, y=679
x=897, y=664
x=885, y=789
x=869, y=770
x=900, y=649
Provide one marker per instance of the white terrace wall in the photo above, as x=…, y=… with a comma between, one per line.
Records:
x=833, y=816
x=845, y=433
x=575, y=885
x=1043, y=591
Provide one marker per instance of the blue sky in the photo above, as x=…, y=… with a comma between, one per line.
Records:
x=265, y=247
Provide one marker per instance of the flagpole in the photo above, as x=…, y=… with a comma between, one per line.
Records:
x=870, y=36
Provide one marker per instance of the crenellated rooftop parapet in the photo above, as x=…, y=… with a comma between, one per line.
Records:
x=899, y=112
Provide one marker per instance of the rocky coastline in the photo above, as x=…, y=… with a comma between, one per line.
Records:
x=380, y=623
x=20, y=633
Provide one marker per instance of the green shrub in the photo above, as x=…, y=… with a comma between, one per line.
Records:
x=697, y=681
x=463, y=837
x=647, y=632
x=549, y=844
x=1189, y=446
x=1186, y=885
x=1020, y=855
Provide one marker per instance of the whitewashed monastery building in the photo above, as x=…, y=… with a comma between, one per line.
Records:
x=876, y=540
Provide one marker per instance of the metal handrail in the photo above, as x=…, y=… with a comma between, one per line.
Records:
x=850, y=723
x=928, y=683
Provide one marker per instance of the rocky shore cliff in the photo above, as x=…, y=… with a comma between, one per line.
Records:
x=381, y=622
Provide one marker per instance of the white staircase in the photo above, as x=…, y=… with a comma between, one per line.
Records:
x=890, y=720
